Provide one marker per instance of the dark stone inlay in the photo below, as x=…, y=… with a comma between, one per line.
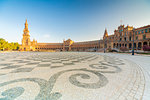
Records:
x=2, y=74
x=12, y=93
x=11, y=67
x=98, y=66
x=22, y=70
x=23, y=61
x=57, y=66
x=7, y=64
x=32, y=63
x=43, y=65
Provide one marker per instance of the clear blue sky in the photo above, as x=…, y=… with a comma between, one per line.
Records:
x=80, y=20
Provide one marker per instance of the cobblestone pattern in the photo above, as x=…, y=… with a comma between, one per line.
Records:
x=133, y=87
x=25, y=62
x=96, y=77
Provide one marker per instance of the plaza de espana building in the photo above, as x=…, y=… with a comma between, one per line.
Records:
x=122, y=37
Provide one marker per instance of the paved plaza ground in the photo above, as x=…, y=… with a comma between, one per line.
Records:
x=74, y=76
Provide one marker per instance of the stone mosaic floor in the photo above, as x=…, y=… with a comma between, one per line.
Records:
x=143, y=62
x=69, y=76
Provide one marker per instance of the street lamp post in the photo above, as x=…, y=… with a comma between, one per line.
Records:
x=104, y=45
x=133, y=42
x=98, y=46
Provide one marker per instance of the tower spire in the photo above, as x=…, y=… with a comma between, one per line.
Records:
x=26, y=31
x=105, y=33
x=26, y=24
x=26, y=20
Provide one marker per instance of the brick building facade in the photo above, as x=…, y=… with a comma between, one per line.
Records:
x=122, y=37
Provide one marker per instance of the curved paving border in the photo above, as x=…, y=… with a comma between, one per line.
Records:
x=134, y=88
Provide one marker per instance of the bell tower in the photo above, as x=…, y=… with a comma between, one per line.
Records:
x=26, y=43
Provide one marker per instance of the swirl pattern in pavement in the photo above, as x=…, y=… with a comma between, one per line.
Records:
x=68, y=76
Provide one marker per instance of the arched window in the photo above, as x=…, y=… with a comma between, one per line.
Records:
x=145, y=43
x=130, y=45
x=139, y=45
x=125, y=38
x=130, y=38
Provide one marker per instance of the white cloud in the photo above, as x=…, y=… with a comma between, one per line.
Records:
x=46, y=35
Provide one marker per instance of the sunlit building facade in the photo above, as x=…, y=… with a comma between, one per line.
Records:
x=122, y=37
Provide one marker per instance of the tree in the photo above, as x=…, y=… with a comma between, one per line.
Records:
x=4, y=45
x=16, y=46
